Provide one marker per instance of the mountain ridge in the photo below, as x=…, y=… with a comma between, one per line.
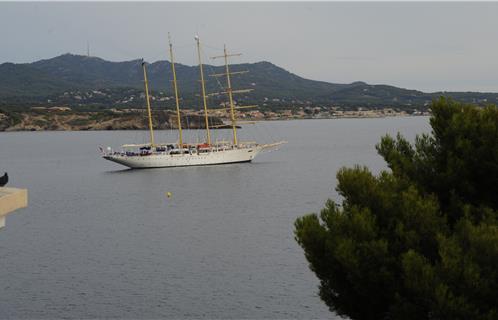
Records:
x=51, y=79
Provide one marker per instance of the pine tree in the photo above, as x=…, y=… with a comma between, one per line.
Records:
x=419, y=241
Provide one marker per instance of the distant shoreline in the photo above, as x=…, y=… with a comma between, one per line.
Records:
x=339, y=118
x=72, y=123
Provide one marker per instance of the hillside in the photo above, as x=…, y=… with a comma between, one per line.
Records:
x=68, y=120
x=90, y=81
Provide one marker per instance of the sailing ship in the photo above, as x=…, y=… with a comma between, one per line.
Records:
x=153, y=155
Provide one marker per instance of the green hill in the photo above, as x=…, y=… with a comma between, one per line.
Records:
x=81, y=80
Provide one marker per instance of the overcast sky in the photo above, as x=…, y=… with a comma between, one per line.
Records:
x=424, y=46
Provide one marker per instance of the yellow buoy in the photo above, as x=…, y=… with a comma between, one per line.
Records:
x=168, y=194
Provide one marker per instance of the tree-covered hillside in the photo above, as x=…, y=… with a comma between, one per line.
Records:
x=67, y=78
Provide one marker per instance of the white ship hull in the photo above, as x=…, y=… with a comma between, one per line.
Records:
x=161, y=160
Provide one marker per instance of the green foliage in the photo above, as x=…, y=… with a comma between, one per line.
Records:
x=78, y=122
x=459, y=162
x=13, y=118
x=420, y=241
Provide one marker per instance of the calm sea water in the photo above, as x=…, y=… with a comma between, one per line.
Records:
x=99, y=242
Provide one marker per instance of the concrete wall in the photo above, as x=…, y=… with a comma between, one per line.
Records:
x=11, y=199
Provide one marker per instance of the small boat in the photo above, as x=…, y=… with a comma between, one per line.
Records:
x=153, y=155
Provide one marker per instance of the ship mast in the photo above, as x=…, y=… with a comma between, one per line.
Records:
x=180, y=138
x=208, y=135
x=148, y=105
x=230, y=91
x=230, y=96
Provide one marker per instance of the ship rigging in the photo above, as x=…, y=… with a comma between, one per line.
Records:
x=152, y=155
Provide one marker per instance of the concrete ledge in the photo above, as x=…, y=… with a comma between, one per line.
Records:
x=11, y=199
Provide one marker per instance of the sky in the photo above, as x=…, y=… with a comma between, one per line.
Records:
x=426, y=46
